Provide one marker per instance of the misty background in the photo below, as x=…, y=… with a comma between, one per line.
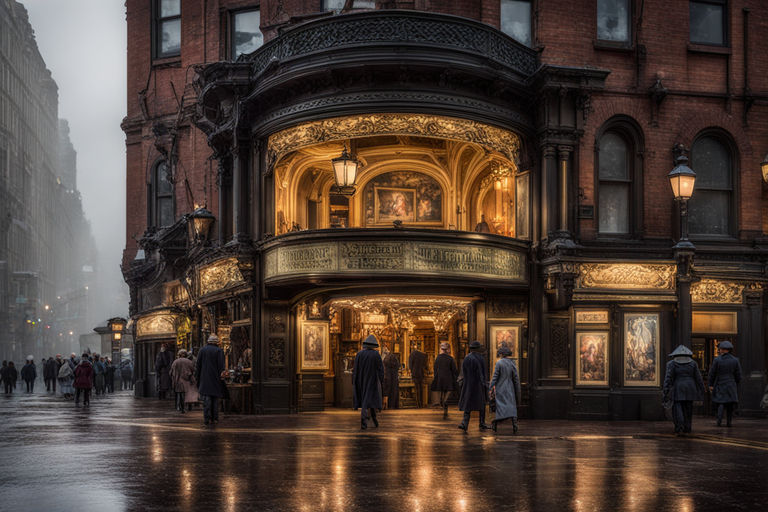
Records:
x=83, y=43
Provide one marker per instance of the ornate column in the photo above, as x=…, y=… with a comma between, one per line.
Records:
x=564, y=165
x=548, y=189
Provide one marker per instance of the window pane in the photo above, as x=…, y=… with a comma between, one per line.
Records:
x=516, y=20
x=248, y=37
x=164, y=187
x=170, y=42
x=707, y=23
x=712, y=163
x=170, y=8
x=709, y=212
x=613, y=20
x=613, y=158
x=614, y=208
x=165, y=211
x=333, y=5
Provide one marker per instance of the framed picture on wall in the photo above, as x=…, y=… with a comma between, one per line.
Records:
x=592, y=358
x=314, y=346
x=394, y=204
x=641, y=349
x=504, y=335
x=591, y=316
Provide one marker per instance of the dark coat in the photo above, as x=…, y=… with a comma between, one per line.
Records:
x=163, y=363
x=392, y=380
x=446, y=372
x=84, y=375
x=9, y=375
x=507, y=383
x=367, y=378
x=50, y=369
x=683, y=381
x=474, y=389
x=416, y=362
x=724, y=376
x=110, y=372
x=29, y=372
x=210, y=364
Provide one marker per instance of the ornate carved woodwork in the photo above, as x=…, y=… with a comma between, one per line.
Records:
x=715, y=291
x=626, y=276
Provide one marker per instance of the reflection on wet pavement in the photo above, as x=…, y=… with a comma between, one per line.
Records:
x=127, y=454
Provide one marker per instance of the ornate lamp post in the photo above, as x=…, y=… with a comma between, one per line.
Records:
x=682, y=180
x=345, y=172
x=199, y=225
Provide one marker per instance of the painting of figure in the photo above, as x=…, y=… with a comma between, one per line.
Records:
x=504, y=335
x=641, y=349
x=408, y=196
x=314, y=346
x=395, y=204
x=592, y=366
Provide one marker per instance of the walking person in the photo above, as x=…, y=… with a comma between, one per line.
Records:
x=683, y=385
x=367, y=379
x=99, y=374
x=29, y=374
x=474, y=389
x=46, y=373
x=505, y=389
x=724, y=377
x=4, y=378
x=208, y=373
x=126, y=374
x=65, y=377
x=416, y=363
x=83, y=381
x=183, y=381
x=50, y=371
x=392, y=380
x=109, y=376
x=445, y=374
x=163, y=363
x=10, y=376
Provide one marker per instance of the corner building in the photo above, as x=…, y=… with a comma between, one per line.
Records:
x=512, y=188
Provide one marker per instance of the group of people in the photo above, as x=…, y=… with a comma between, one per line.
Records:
x=74, y=376
x=369, y=378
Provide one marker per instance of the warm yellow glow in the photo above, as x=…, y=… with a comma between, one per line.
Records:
x=117, y=336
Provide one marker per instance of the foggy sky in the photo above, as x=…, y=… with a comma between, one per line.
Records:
x=83, y=43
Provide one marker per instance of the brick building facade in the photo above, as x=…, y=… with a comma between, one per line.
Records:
x=512, y=189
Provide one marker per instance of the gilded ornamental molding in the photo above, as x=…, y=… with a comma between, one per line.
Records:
x=160, y=324
x=220, y=275
x=626, y=276
x=715, y=291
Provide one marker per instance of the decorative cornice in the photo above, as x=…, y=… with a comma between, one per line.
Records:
x=715, y=291
x=626, y=276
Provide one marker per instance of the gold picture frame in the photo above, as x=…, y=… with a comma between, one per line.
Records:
x=592, y=358
x=641, y=349
x=500, y=334
x=314, y=346
x=391, y=204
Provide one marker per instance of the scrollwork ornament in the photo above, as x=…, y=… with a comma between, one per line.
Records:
x=713, y=291
x=632, y=276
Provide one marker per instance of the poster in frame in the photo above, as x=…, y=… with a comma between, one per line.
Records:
x=314, y=346
x=641, y=349
x=504, y=334
x=592, y=358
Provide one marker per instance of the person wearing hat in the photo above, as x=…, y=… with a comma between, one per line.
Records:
x=208, y=370
x=416, y=363
x=724, y=376
x=505, y=387
x=368, y=378
x=474, y=389
x=445, y=375
x=683, y=384
x=163, y=363
x=183, y=380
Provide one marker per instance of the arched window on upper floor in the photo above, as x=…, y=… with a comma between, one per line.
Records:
x=711, y=208
x=161, y=208
x=618, y=164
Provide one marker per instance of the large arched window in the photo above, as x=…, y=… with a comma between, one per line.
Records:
x=711, y=206
x=161, y=210
x=618, y=165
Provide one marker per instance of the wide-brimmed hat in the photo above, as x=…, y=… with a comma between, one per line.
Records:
x=681, y=350
x=371, y=341
x=504, y=351
x=725, y=344
x=213, y=338
x=475, y=345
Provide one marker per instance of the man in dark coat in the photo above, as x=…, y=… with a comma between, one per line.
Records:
x=208, y=371
x=683, y=385
x=392, y=380
x=416, y=362
x=445, y=375
x=126, y=374
x=83, y=381
x=163, y=363
x=109, y=376
x=29, y=374
x=474, y=389
x=367, y=378
x=724, y=377
x=10, y=376
x=47, y=372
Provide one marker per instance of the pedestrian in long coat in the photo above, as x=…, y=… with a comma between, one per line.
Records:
x=683, y=385
x=183, y=380
x=65, y=377
x=368, y=378
x=10, y=376
x=724, y=377
x=49, y=374
x=83, y=381
x=126, y=374
x=208, y=373
x=3, y=375
x=109, y=375
x=29, y=374
x=416, y=363
x=474, y=388
x=445, y=374
x=392, y=380
x=99, y=374
x=163, y=363
x=505, y=388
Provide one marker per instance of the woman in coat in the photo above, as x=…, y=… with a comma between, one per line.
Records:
x=83, y=381
x=66, y=376
x=183, y=381
x=446, y=372
x=724, y=377
x=683, y=385
x=505, y=387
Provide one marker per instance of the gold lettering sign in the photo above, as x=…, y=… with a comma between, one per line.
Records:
x=591, y=317
x=162, y=324
x=390, y=257
x=626, y=276
x=219, y=275
x=713, y=291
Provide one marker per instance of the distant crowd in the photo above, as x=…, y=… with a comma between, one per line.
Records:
x=76, y=377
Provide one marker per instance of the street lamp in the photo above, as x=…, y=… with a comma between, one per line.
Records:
x=345, y=172
x=682, y=179
x=764, y=168
x=199, y=224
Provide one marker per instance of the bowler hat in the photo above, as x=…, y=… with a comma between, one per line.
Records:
x=725, y=344
x=371, y=340
x=681, y=350
x=475, y=345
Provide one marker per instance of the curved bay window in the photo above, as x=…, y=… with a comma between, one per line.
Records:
x=710, y=209
x=618, y=172
x=161, y=209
